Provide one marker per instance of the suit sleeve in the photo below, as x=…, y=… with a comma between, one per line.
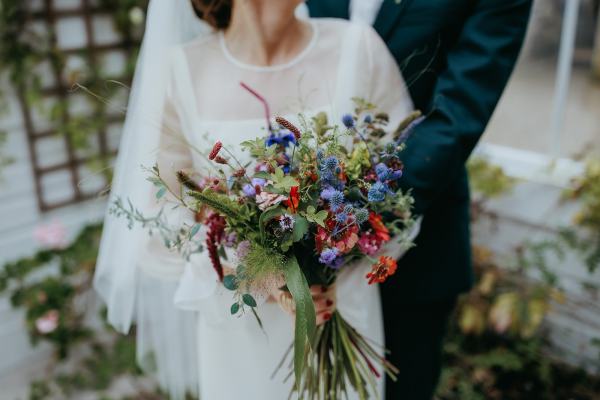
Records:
x=464, y=98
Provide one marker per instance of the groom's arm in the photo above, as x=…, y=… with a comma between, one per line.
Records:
x=465, y=96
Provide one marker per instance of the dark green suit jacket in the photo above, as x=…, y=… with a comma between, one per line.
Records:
x=456, y=57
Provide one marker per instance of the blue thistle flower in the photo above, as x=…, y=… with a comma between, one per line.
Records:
x=377, y=192
x=336, y=200
x=382, y=171
x=341, y=217
x=348, y=208
x=327, y=193
x=361, y=215
x=348, y=121
x=368, y=118
x=329, y=164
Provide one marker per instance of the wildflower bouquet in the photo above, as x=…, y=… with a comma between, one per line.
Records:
x=303, y=211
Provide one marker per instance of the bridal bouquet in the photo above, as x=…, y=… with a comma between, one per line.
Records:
x=298, y=215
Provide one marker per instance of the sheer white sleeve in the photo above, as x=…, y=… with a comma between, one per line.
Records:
x=138, y=286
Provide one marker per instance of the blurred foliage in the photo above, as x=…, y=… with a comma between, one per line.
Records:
x=53, y=289
x=586, y=190
x=488, y=180
x=27, y=52
x=496, y=347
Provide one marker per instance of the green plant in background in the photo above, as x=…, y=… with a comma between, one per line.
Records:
x=586, y=190
x=495, y=347
x=53, y=287
x=24, y=49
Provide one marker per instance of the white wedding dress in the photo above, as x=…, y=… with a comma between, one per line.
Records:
x=232, y=357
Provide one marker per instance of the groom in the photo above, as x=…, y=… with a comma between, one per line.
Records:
x=456, y=57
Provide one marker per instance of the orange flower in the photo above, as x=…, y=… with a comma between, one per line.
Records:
x=382, y=269
x=380, y=229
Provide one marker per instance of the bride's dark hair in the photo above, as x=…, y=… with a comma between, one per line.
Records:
x=217, y=13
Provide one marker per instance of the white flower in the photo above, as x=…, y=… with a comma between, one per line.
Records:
x=265, y=199
x=47, y=323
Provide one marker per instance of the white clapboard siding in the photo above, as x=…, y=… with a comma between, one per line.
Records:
x=19, y=215
x=533, y=212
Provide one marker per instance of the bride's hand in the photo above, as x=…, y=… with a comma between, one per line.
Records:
x=324, y=298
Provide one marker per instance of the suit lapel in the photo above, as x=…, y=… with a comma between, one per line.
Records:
x=329, y=8
x=388, y=15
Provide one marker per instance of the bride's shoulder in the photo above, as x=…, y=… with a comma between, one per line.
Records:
x=203, y=44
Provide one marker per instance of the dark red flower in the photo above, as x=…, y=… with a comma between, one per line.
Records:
x=215, y=150
x=220, y=160
x=214, y=235
x=289, y=126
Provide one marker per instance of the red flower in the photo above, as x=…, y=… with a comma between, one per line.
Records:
x=293, y=200
x=215, y=150
x=382, y=269
x=380, y=229
x=344, y=241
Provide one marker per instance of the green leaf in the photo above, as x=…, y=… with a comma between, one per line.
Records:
x=230, y=282
x=161, y=192
x=300, y=228
x=248, y=300
x=235, y=307
x=262, y=174
x=194, y=230
x=305, y=313
x=316, y=217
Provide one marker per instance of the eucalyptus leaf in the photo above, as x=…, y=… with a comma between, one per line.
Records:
x=249, y=300
x=230, y=282
x=235, y=307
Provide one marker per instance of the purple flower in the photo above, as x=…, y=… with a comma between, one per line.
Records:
x=243, y=249
x=258, y=181
x=248, y=190
x=230, y=239
x=327, y=193
x=328, y=256
x=348, y=121
x=408, y=130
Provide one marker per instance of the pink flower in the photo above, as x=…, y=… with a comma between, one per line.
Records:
x=369, y=243
x=266, y=199
x=47, y=323
x=52, y=235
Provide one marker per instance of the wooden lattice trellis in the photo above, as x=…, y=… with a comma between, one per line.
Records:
x=72, y=162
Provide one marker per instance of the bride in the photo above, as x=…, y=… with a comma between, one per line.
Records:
x=186, y=95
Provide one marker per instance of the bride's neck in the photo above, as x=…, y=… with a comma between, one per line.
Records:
x=263, y=32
